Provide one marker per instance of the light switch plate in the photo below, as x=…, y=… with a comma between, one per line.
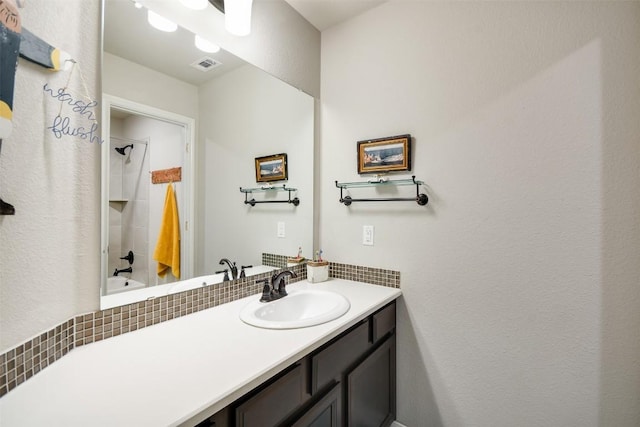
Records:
x=281, y=229
x=367, y=235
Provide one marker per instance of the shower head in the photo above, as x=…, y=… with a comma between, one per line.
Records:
x=121, y=150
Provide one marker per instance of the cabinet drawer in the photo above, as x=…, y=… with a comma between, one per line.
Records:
x=331, y=362
x=274, y=402
x=384, y=321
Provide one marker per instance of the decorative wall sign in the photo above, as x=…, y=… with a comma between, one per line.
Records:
x=163, y=176
x=16, y=40
x=271, y=168
x=388, y=154
x=76, y=118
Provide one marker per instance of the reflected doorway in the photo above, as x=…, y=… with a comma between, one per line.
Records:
x=139, y=140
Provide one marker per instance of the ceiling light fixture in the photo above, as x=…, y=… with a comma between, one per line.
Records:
x=206, y=45
x=137, y=5
x=195, y=4
x=237, y=19
x=160, y=22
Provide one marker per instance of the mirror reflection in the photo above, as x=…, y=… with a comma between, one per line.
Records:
x=208, y=115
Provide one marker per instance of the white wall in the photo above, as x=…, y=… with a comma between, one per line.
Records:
x=246, y=114
x=49, y=251
x=128, y=80
x=520, y=278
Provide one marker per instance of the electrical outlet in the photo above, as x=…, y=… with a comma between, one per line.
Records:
x=281, y=230
x=367, y=235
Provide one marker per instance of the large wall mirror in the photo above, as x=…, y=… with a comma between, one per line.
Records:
x=169, y=105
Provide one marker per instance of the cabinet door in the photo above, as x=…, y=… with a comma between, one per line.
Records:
x=332, y=362
x=326, y=413
x=371, y=388
x=275, y=402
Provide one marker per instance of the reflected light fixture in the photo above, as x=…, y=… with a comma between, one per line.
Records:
x=237, y=19
x=195, y=4
x=137, y=5
x=160, y=22
x=205, y=45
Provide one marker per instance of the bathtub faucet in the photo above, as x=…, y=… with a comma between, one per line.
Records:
x=124, y=270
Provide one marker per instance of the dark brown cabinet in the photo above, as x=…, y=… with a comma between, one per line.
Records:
x=326, y=413
x=274, y=402
x=371, y=388
x=334, y=359
x=350, y=382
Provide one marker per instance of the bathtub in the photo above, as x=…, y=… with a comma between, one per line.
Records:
x=117, y=284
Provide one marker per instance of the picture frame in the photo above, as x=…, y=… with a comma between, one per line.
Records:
x=272, y=168
x=382, y=155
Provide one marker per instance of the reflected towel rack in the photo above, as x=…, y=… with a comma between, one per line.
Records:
x=295, y=201
x=420, y=198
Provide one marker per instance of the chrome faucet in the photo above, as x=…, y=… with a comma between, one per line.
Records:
x=124, y=270
x=232, y=267
x=276, y=289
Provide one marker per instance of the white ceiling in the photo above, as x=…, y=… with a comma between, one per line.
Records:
x=323, y=14
x=128, y=36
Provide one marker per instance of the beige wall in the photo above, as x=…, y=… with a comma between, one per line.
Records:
x=128, y=80
x=247, y=113
x=520, y=278
x=49, y=251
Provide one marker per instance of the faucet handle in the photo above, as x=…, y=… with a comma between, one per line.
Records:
x=226, y=274
x=242, y=272
x=266, y=290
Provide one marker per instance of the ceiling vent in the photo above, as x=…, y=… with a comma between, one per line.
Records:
x=206, y=64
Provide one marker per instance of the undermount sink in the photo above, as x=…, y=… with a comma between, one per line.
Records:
x=299, y=309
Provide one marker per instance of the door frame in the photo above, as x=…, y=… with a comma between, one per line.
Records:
x=188, y=173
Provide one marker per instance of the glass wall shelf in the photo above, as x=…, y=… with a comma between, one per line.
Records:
x=420, y=198
x=269, y=188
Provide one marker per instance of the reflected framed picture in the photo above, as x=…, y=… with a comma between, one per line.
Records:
x=388, y=154
x=271, y=168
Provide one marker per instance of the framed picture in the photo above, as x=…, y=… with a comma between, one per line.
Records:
x=271, y=168
x=384, y=154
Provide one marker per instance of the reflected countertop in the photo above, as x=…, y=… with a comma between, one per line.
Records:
x=174, y=372
x=117, y=299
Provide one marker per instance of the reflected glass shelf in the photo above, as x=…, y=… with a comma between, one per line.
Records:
x=267, y=188
x=379, y=182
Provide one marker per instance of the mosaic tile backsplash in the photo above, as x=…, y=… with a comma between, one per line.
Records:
x=24, y=361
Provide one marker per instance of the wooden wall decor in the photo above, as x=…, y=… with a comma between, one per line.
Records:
x=166, y=175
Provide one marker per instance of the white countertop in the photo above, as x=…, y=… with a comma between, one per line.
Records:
x=172, y=372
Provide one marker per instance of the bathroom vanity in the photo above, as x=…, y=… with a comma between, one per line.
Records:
x=349, y=381
x=211, y=367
